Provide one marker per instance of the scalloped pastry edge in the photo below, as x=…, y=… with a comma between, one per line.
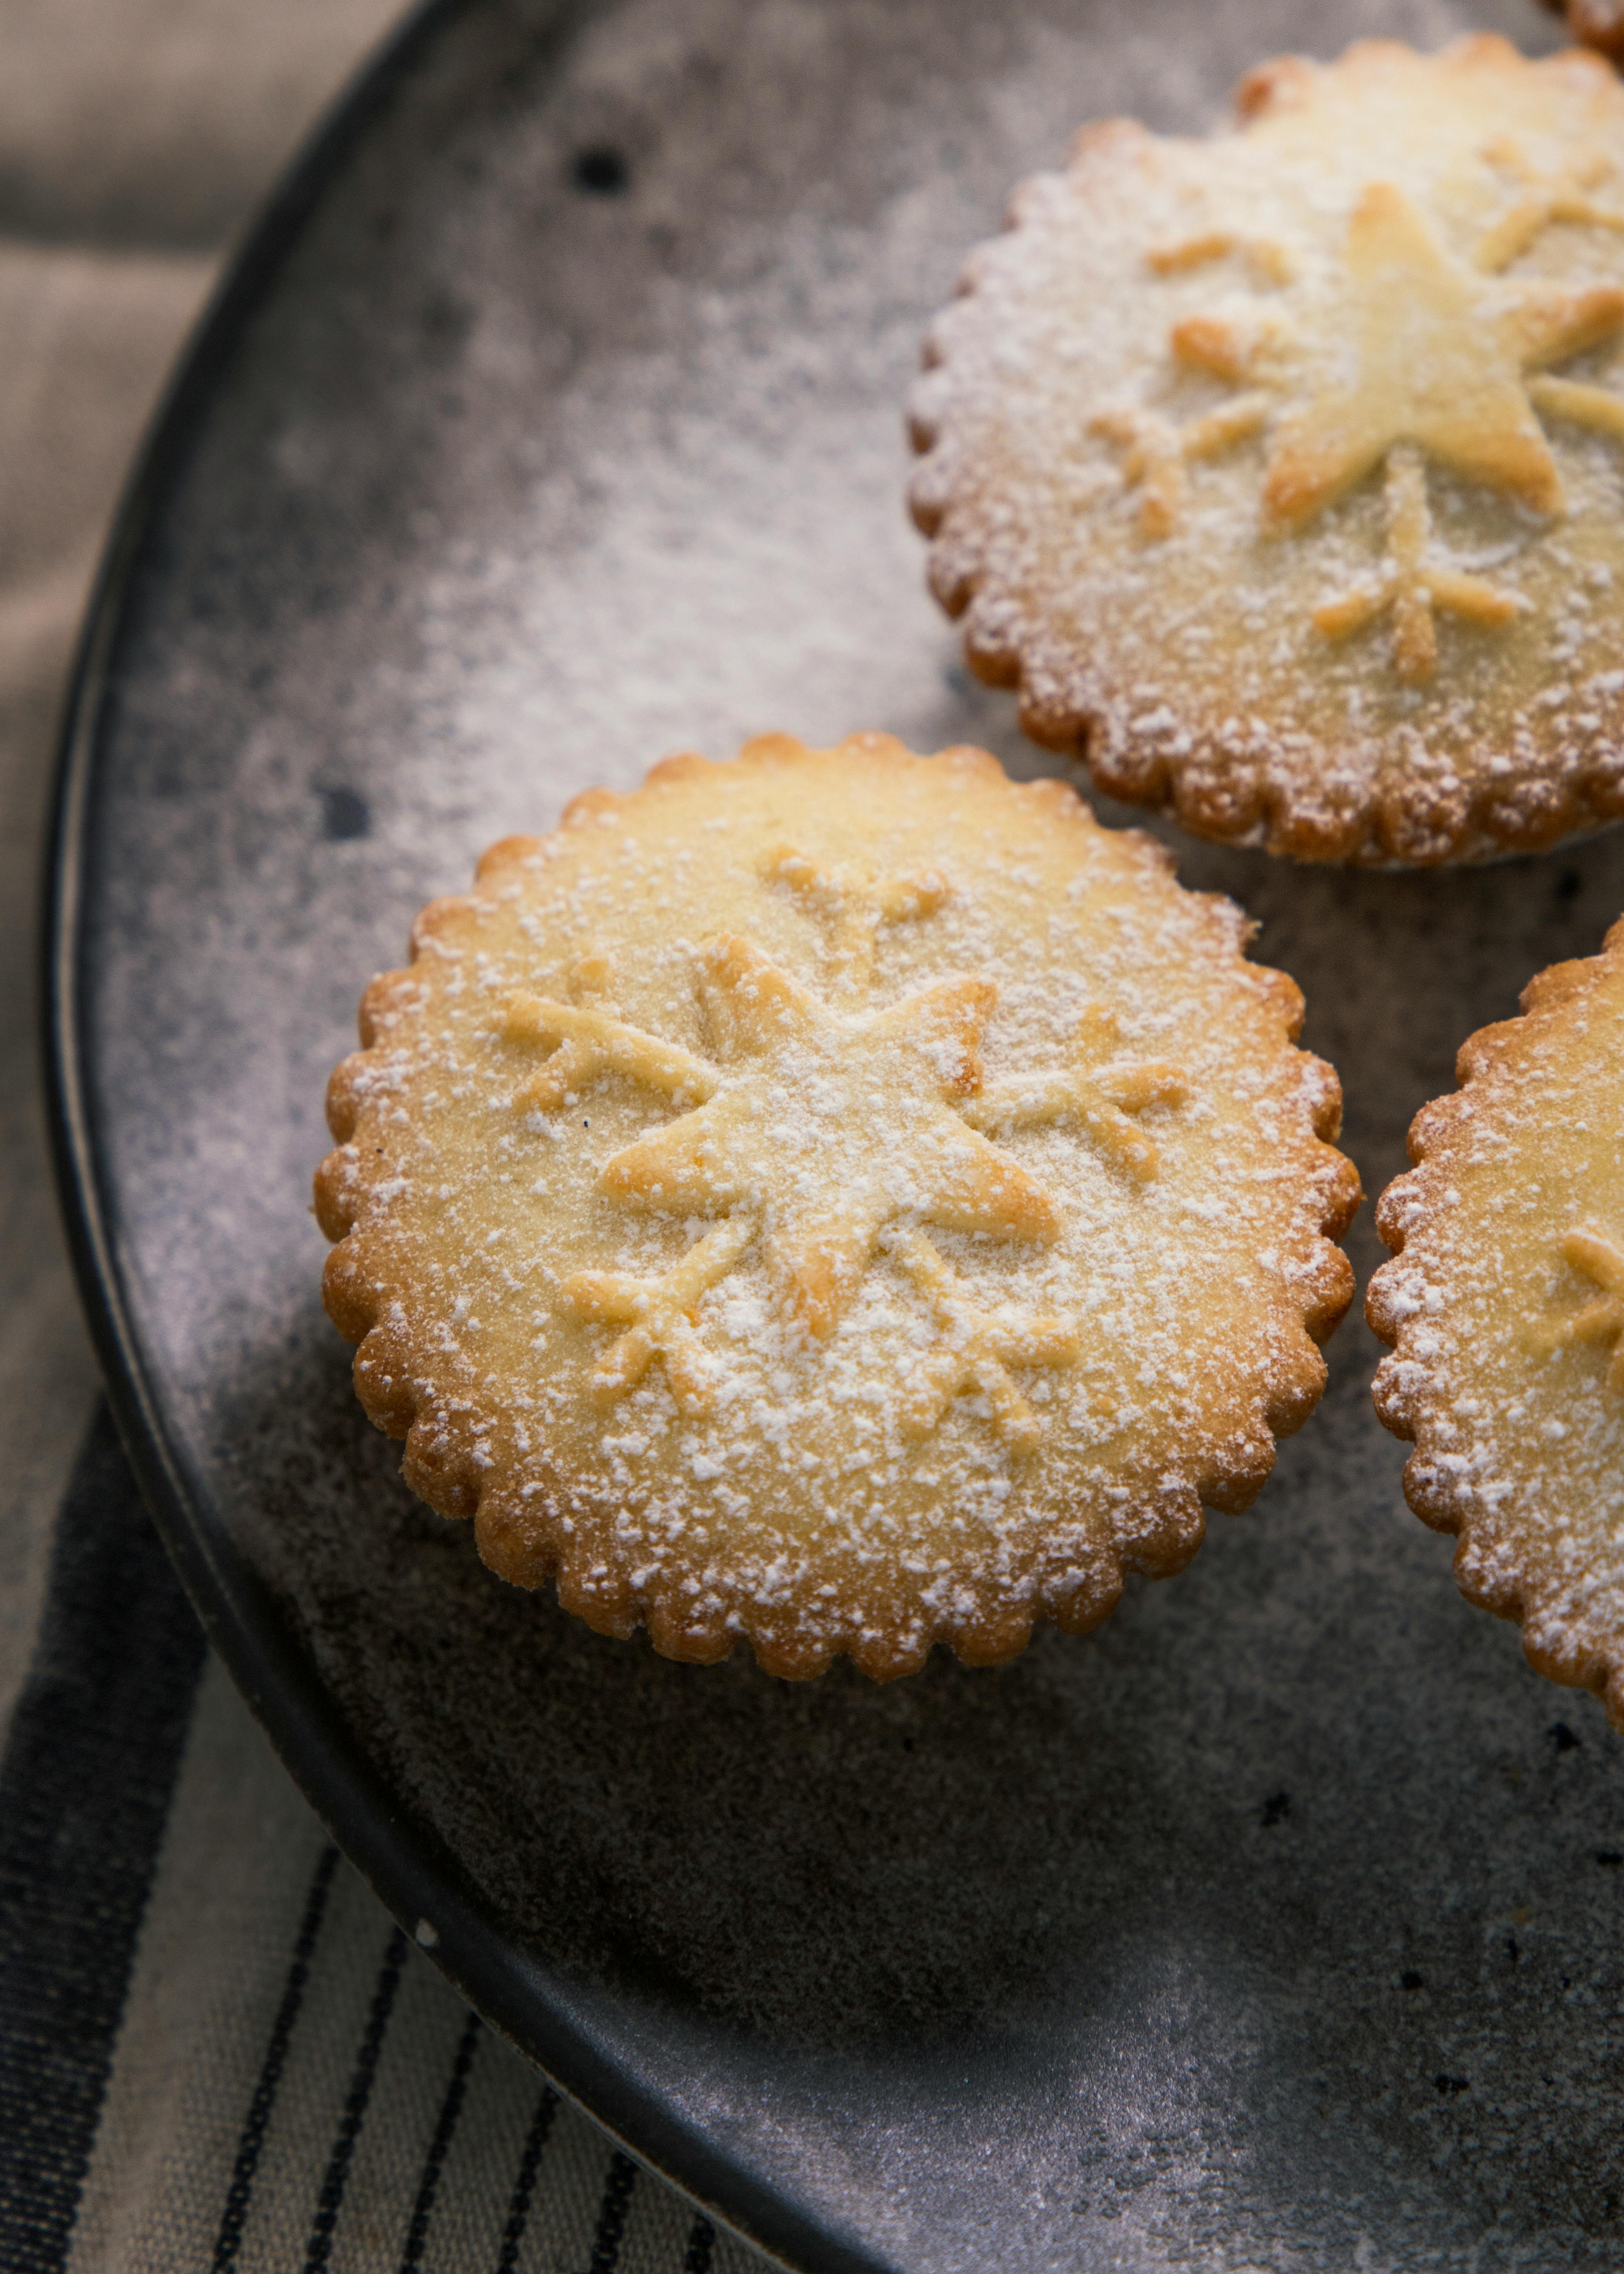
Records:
x=1214, y=788
x=443, y=1462
x=1408, y=1215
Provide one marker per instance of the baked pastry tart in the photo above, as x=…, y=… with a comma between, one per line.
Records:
x=1505, y=1306
x=840, y=1199
x=1282, y=472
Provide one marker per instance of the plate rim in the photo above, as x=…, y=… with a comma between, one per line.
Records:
x=401, y=1860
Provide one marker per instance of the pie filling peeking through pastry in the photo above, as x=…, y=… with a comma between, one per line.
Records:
x=1282, y=472
x=1505, y=1305
x=839, y=1199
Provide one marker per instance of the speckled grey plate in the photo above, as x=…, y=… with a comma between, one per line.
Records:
x=551, y=421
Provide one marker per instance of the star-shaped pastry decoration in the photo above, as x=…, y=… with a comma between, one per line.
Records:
x=1602, y=1260
x=854, y=904
x=1414, y=584
x=827, y=1133
x=1450, y=376
x=660, y=1315
x=975, y=1351
x=1407, y=353
x=1096, y=1089
x=831, y=1128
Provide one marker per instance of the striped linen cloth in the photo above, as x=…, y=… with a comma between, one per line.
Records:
x=217, y=2051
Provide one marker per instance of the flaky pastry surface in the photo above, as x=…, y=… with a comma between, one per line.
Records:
x=1283, y=471
x=1505, y=1305
x=838, y=1197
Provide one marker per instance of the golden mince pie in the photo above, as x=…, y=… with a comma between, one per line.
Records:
x=1283, y=471
x=840, y=1199
x=1505, y=1305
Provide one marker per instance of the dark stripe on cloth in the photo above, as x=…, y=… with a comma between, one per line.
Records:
x=84, y=1787
x=329, y=2203
x=450, y=2109
x=524, y=2186
x=612, y=2214
x=700, y=2243
x=229, y=2241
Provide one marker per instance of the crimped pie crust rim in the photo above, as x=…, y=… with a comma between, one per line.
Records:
x=1212, y=787
x=1409, y=1214
x=440, y=1462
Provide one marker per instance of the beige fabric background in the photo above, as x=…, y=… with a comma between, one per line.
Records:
x=137, y=138
x=137, y=141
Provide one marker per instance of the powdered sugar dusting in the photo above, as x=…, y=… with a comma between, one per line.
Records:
x=1144, y=458
x=1501, y=1307
x=843, y=1328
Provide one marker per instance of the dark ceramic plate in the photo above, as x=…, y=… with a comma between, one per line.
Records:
x=551, y=421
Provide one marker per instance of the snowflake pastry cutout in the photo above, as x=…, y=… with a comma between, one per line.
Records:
x=828, y=1135
x=976, y=1349
x=855, y=905
x=1461, y=381
x=1602, y=1262
x=1414, y=585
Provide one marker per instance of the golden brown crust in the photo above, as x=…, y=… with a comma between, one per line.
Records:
x=1515, y=1419
x=1043, y=1032
x=1353, y=631
x=1597, y=24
